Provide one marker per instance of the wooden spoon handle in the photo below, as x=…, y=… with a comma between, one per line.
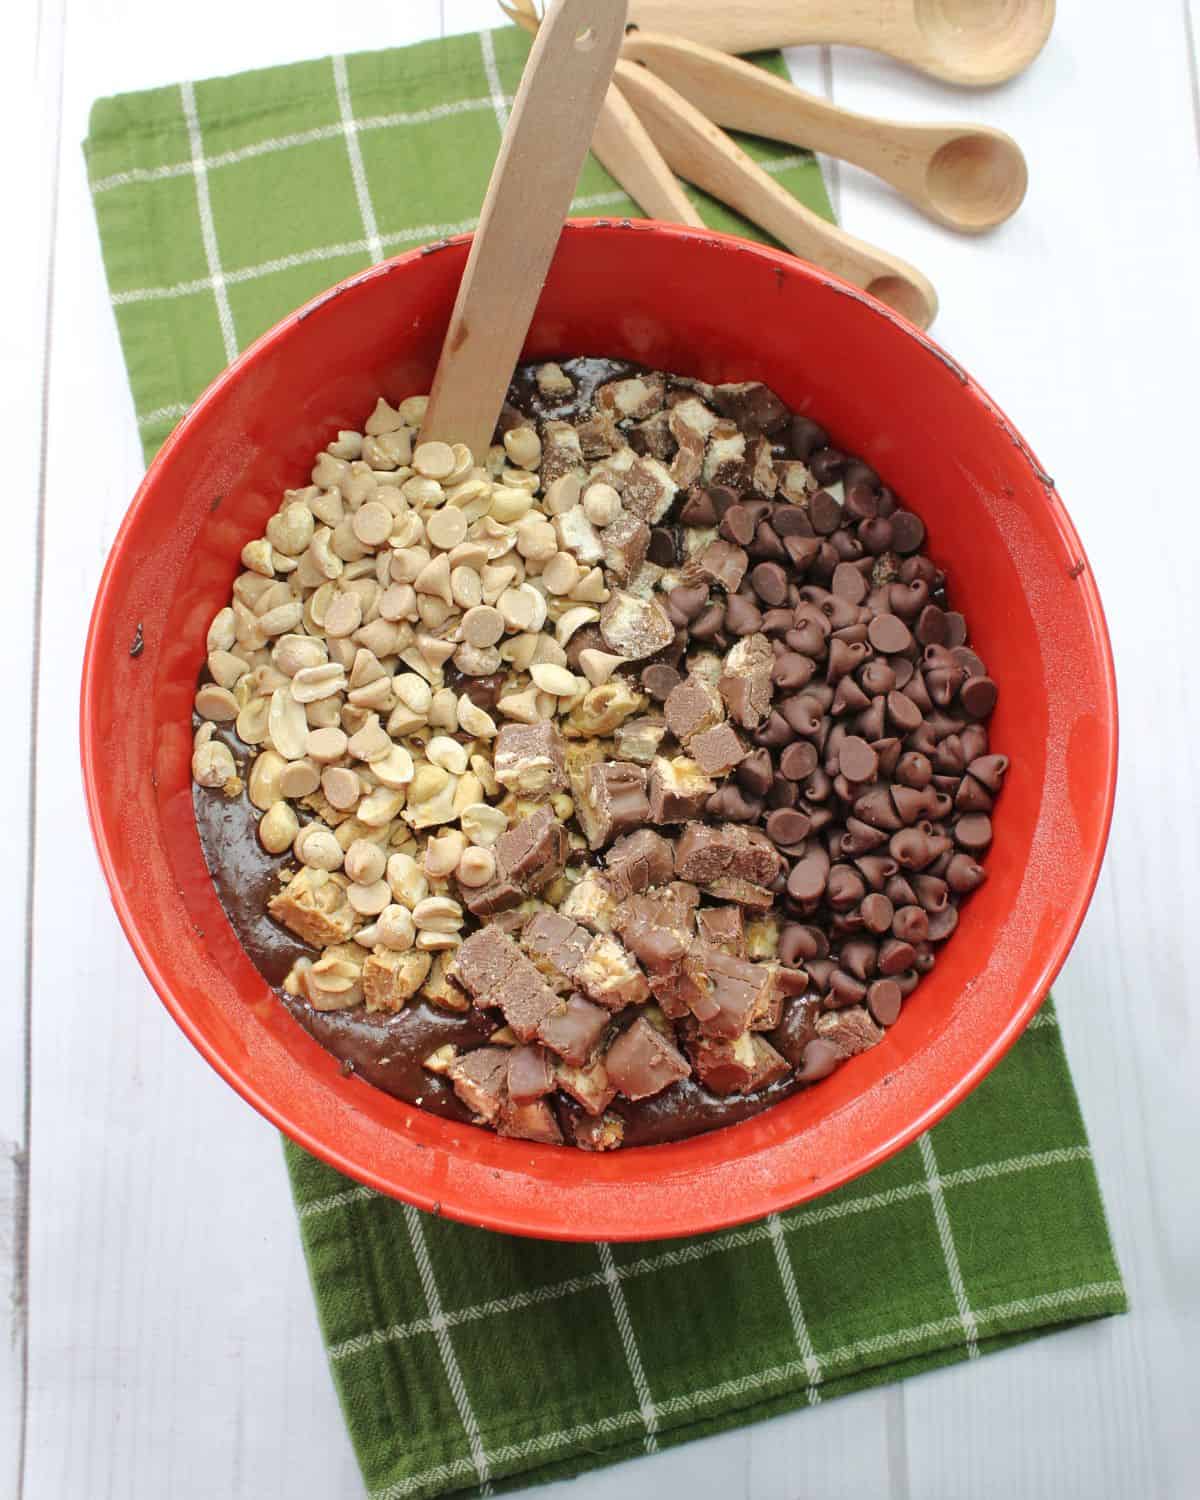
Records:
x=625, y=149
x=755, y=25
x=739, y=96
x=528, y=197
x=699, y=151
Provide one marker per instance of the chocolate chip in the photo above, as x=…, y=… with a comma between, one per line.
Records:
x=767, y=543
x=786, y=827
x=808, y=876
x=755, y=775
x=698, y=509
x=821, y=1057
x=876, y=536
x=802, y=551
x=658, y=680
x=989, y=769
x=738, y=524
x=908, y=531
x=742, y=616
x=884, y=1000
x=889, y=634
x=826, y=465
x=709, y=622
x=911, y=924
x=930, y=628
x=790, y=520
x=862, y=501
x=770, y=583
x=662, y=549
x=894, y=956
x=877, y=912
x=877, y=677
x=849, y=583
x=791, y=671
x=798, y=761
x=824, y=512
x=963, y=874
x=903, y=712
x=688, y=600
x=845, y=888
x=978, y=696
x=974, y=832
x=856, y=760
x=956, y=629
x=805, y=437
x=942, y=923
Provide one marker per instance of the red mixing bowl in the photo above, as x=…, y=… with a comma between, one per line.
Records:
x=721, y=309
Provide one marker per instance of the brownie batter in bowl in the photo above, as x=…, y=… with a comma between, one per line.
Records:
x=607, y=790
x=725, y=312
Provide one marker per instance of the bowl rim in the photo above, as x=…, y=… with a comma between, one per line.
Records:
x=774, y=1197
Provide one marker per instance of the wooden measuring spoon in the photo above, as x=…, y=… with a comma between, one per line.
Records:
x=702, y=153
x=972, y=42
x=528, y=197
x=622, y=147
x=968, y=177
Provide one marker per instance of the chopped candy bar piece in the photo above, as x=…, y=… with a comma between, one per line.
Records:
x=704, y=853
x=692, y=706
x=561, y=453
x=635, y=398
x=742, y=1066
x=653, y=438
x=725, y=460
x=534, y=852
x=718, y=562
x=638, y=739
x=555, y=944
x=483, y=962
x=529, y=1122
x=649, y=491
x=480, y=1078
x=574, y=1033
x=592, y=902
x=744, y=892
x=635, y=628
x=753, y=406
x=640, y=860
x=614, y=801
x=314, y=905
x=391, y=979
x=529, y=759
x=677, y=790
x=608, y=975
x=722, y=927
x=717, y=750
x=851, y=1030
x=603, y=1134
x=530, y=1074
x=731, y=990
x=526, y=999
x=589, y=1085
x=626, y=541
x=642, y=1062
x=745, y=684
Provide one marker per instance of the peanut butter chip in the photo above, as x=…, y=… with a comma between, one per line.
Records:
x=341, y=787
x=372, y=523
x=483, y=626
x=434, y=460
x=446, y=528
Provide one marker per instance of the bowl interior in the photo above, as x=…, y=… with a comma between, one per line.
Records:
x=719, y=309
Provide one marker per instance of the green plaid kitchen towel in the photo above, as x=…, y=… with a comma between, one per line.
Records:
x=464, y=1358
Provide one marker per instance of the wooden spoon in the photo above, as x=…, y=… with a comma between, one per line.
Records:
x=968, y=177
x=702, y=153
x=528, y=197
x=623, y=148
x=973, y=42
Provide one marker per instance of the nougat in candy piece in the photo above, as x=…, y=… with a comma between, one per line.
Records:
x=717, y=750
x=592, y=902
x=745, y=684
x=851, y=1030
x=555, y=944
x=589, y=1086
x=638, y=739
x=722, y=927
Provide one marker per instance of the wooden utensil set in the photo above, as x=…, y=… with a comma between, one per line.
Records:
x=678, y=87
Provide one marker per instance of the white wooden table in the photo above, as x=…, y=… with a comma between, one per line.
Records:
x=161, y=1341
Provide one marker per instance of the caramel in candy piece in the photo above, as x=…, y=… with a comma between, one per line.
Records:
x=592, y=902
x=642, y=1062
x=589, y=1086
